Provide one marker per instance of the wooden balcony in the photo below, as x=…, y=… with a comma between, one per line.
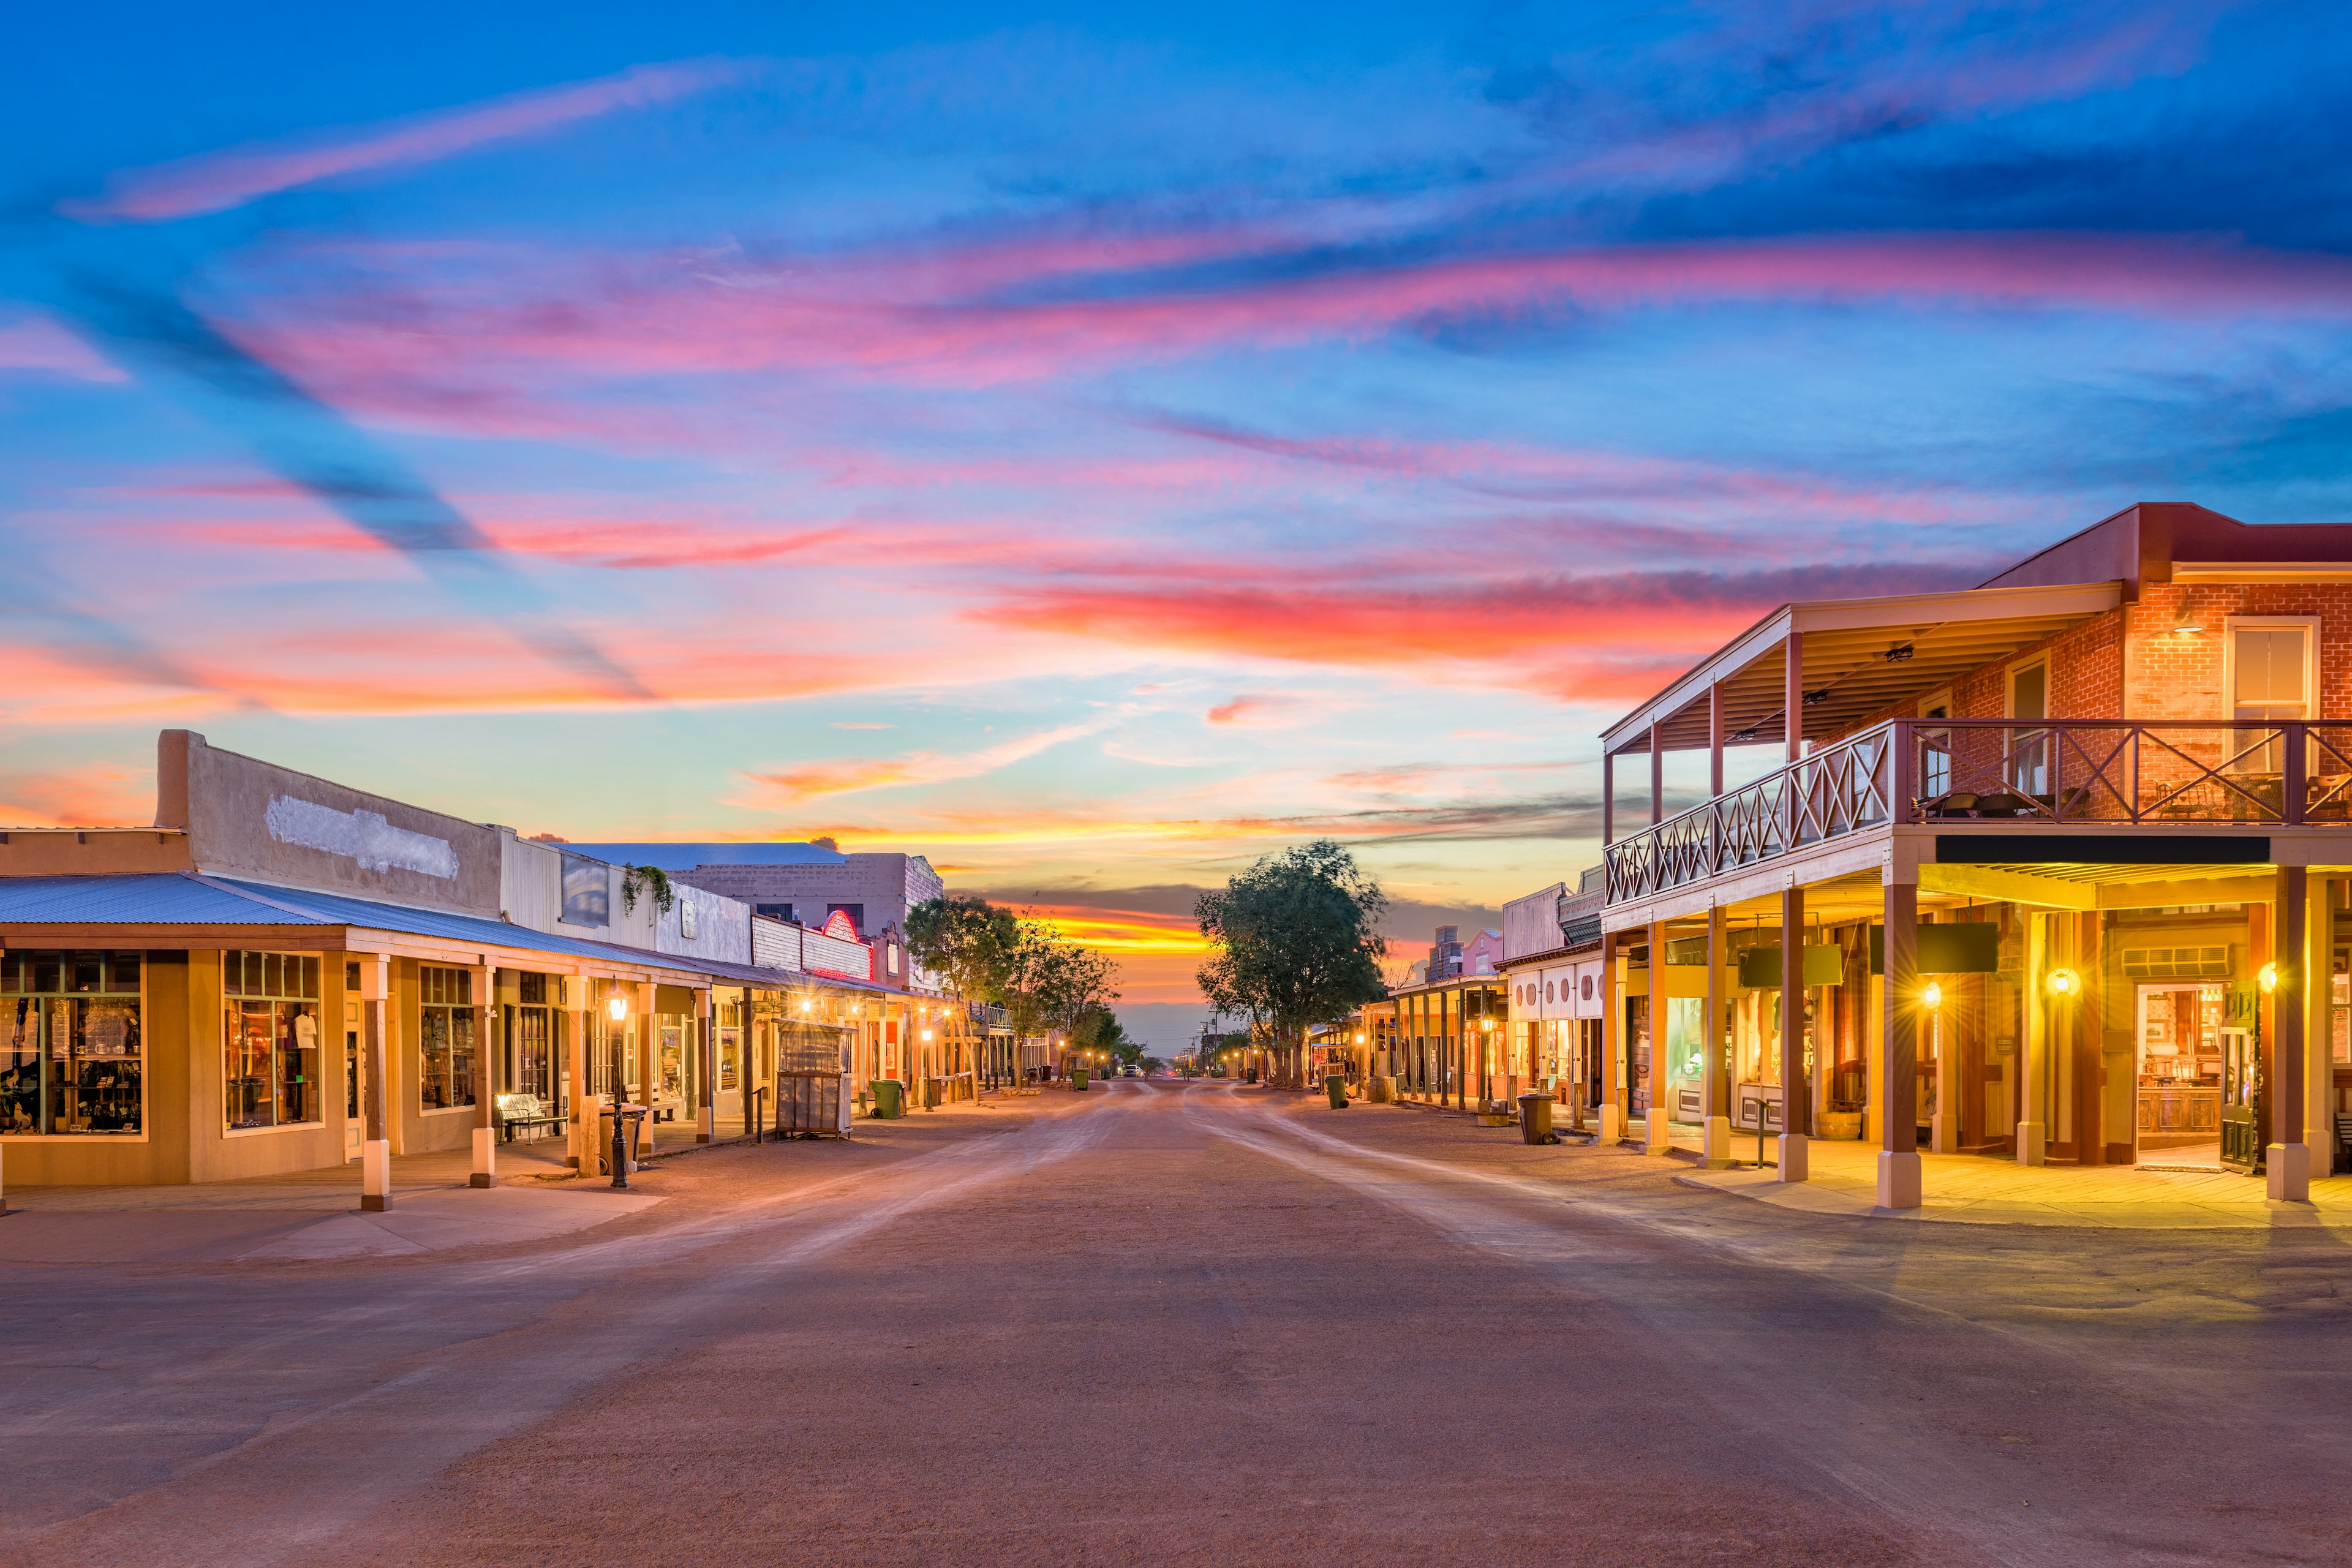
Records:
x=2064, y=774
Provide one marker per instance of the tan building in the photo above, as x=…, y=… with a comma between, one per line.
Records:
x=282, y=973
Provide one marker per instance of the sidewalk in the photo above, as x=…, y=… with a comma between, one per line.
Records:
x=1972, y=1189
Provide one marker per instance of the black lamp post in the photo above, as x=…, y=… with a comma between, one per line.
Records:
x=618, y=1006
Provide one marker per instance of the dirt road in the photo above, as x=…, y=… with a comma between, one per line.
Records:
x=1201, y=1324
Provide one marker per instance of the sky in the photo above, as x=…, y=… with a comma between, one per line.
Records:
x=1096, y=447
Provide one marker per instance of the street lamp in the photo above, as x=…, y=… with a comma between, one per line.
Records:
x=1933, y=996
x=617, y=1007
x=2268, y=979
x=2065, y=982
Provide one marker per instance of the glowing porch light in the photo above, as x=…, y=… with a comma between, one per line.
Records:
x=2065, y=982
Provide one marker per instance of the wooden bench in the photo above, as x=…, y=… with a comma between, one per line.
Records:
x=523, y=1110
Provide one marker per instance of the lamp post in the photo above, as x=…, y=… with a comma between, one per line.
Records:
x=617, y=1007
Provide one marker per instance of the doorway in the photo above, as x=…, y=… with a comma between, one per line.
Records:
x=2177, y=1118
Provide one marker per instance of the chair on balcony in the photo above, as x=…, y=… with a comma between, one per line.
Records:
x=1952, y=803
x=2004, y=804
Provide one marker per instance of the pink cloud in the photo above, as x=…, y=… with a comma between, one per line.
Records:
x=215, y=181
x=532, y=333
x=35, y=342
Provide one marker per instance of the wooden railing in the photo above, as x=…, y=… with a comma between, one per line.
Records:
x=2055, y=772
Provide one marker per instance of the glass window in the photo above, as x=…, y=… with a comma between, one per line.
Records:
x=534, y=1054
x=71, y=1048
x=444, y=1038
x=269, y=1040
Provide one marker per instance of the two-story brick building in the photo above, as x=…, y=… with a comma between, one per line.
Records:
x=2058, y=865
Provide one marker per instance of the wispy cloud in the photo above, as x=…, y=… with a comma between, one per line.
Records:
x=215, y=182
x=845, y=775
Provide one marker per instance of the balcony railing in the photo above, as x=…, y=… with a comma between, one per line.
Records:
x=2051, y=771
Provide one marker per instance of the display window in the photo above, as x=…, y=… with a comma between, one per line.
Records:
x=269, y=1040
x=444, y=1038
x=71, y=1056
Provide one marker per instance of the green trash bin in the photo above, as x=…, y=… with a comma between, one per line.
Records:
x=1336, y=1086
x=890, y=1098
x=1078, y=1079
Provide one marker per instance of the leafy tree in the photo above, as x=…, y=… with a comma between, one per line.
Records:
x=1298, y=943
x=968, y=943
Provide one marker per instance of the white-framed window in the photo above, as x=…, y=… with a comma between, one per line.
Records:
x=446, y=1033
x=71, y=1049
x=1936, y=749
x=269, y=1040
x=2029, y=749
x=2267, y=677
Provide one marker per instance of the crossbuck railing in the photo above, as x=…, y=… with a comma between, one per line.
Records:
x=2052, y=771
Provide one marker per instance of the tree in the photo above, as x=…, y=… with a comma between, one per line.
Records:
x=1054, y=984
x=1298, y=943
x=968, y=943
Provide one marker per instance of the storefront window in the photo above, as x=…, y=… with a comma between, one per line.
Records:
x=444, y=1038
x=269, y=1039
x=71, y=1052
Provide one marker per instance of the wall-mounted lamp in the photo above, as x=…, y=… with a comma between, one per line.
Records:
x=1933, y=996
x=2065, y=982
x=2268, y=979
x=617, y=1005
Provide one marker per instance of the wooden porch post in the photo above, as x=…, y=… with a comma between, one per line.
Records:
x=1793, y=695
x=581, y=1125
x=375, y=1142
x=1898, y=1153
x=1713, y=739
x=1656, y=1139
x=1613, y=1024
x=1796, y=1102
x=485, y=1081
x=2318, y=1028
x=1608, y=797
x=2288, y=1162
x=2033, y=1059
x=706, y=1120
x=1714, y=1069
x=1657, y=774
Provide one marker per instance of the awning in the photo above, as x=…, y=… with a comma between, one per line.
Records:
x=1860, y=658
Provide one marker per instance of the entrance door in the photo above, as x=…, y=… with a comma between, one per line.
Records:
x=2176, y=1117
x=353, y=1095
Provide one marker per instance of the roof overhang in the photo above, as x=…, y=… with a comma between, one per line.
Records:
x=1847, y=672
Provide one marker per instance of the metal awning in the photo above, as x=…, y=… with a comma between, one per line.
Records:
x=1860, y=657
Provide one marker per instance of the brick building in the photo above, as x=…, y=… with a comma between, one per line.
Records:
x=2058, y=868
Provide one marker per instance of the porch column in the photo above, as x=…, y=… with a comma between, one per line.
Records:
x=1796, y=1102
x=1792, y=692
x=1899, y=1156
x=2319, y=1025
x=1713, y=740
x=2033, y=1054
x=1657, y=1140
x=2288, y=1164
x=485, y=1081
x=1613, y=1013
x=1608, y=797
x=706, y=1056
x=1715, y=1079
x=1657, y=775
x=375, y=1139
x=581, y=1126
x=649, y=1056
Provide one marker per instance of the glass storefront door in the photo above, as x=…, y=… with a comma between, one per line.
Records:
x=2178, y=1116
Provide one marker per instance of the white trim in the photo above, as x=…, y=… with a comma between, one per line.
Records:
x=2260, y=572
x=283, y=1127
x=2232, y=624
x=2009, y=686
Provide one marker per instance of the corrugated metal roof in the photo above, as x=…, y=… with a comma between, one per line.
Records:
x=169, y=898
x=178, y=897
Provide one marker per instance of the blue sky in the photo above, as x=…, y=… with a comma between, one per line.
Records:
x=1094, y=447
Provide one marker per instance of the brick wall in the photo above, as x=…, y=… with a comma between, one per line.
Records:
x=2130, y=662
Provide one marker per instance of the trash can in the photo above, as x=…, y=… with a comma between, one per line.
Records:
x=890, y=1098
x=1078, y=1079
x=1535, y=1117
x=1336, y=1086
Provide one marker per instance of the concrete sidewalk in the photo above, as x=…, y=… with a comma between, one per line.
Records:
x=1972, y=1189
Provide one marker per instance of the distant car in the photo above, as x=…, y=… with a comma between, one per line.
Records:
x=1135, y=1072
